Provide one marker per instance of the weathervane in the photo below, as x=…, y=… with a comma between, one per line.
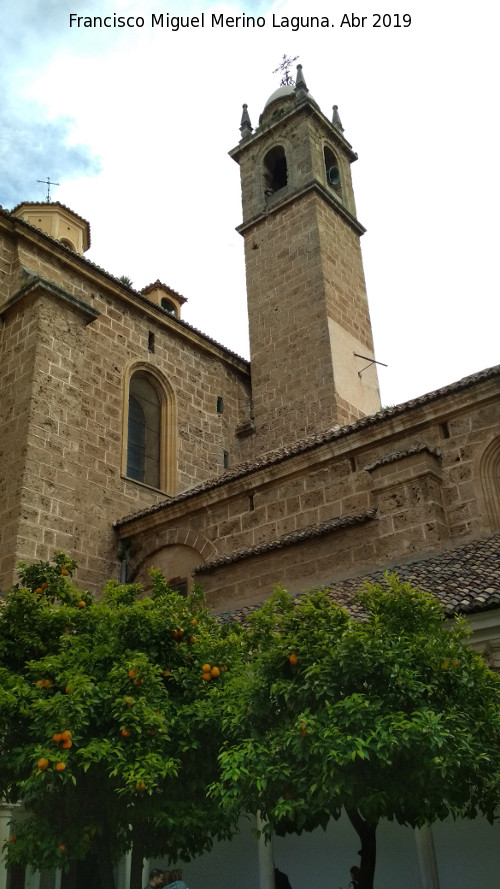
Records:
x=286, y=79
x=48, y=183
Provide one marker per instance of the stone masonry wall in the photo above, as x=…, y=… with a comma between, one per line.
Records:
x=292, y=380
x=62, y=396
x=411, y=481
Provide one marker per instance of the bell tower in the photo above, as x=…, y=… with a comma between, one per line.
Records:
x=307, y=303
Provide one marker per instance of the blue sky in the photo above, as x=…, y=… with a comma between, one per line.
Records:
x=135, y=125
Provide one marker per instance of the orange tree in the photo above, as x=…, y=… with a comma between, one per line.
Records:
x=388, y=716
x=109, y=725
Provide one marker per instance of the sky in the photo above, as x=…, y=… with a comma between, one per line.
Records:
x=135, y=125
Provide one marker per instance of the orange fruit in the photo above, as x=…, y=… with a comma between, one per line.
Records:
x=132, y=674
x=445, y=664
x=215, y=672
x=81, y=604
x=60, y=766
x=47, y=683
x=40, y=683
x=140, y=786
x=138, y=681
x=192, y=639
x=42, y=764
x=57, y=737
x=64, y=572
x=38, y=590
x=166, y=673
x=126, y=733
x=194, y=622
x=44, y=585
x=206, y=668
x=66, y=744
x=129, y=701
x=67, y=689
x=66, y=735
x=174, y=634
x=13, y=838
x=206, y=676
x=223, y=668
x=293, y=659
x=62, y=847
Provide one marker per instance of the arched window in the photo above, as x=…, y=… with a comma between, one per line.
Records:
x=143, y=439
x=275, y=170
x=332, y=169
x=67, y=243
x=169, y=306
x=149, y=454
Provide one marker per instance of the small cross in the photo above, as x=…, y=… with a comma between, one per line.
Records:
x=286, y=79
x=48, y=183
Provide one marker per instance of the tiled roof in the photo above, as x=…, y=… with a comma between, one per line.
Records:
x=159, y=285
x=50, y=204
x=316, y=440
x=466, y=580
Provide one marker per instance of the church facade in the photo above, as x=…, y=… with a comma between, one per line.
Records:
x=132, y=440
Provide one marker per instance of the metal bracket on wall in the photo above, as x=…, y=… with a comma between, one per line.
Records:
x=370, y=360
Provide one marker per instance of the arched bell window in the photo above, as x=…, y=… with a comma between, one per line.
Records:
x=332, y=170
x=149, y=427
x=275, y=170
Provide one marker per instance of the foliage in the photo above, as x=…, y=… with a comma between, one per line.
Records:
x=389, y=716
x=120, y=679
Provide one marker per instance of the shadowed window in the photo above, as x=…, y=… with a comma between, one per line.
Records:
x=144, y=424
x=275, y=170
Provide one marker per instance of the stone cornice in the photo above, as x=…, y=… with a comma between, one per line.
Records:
x=38, y=286
x=285, y=540
x=295, y=195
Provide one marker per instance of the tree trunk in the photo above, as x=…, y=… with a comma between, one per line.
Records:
x=366, y=831
x=104, y=864
x=136, y=865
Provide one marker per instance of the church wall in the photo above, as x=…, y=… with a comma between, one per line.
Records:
x=62, y=405
x=17, y=358
x=409, y=483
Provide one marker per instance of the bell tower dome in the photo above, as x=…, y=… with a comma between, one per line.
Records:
x=307, y=303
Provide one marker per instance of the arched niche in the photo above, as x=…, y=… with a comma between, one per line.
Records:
x=489, y=482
